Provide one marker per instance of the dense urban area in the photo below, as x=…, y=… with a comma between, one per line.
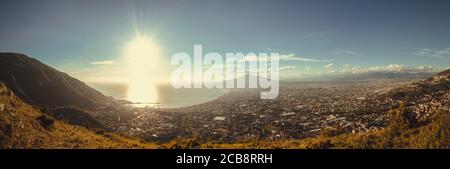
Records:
x=302, y=110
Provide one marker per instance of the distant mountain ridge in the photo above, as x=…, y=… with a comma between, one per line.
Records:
x=385, y=75
x=39, y=84
x=443, y=73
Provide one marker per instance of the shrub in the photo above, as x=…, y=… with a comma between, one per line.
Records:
x=46, y=122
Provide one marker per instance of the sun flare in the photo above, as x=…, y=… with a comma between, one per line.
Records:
x=143, y=56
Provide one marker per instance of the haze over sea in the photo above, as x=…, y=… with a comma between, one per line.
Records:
x=166, y=95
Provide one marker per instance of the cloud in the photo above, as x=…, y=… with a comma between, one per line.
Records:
x=425, y=68
x=288, y=57
x=103, y=62
x=328, y=65
x=282, y=68
x=308, y=68
x=435, y=53
x=394, y=67
x=349, y=52
x=346, y=52
x=102, y=73
x=292, y=57
x=400, y=68
x=347, y=68
x=287, y=67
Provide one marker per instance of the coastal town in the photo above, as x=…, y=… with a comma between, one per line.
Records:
x=302, y=110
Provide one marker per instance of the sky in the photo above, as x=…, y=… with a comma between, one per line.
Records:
x=86, y=38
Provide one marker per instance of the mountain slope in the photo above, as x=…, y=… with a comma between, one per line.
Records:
x=22, y=126
x=39, y=84
x=424, y=98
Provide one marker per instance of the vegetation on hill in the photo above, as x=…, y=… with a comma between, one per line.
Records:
x=420, y=119
x=23, y=126
x=402, y=132
x=39, y=84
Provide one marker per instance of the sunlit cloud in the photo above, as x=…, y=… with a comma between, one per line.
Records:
x=102, y=74
x=346, y=52
x=103, y=62
x=308, y=68
x=348, y=68
x=285, y=57
x=328, y=65
x=288, y=67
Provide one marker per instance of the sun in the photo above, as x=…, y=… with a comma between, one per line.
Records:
x=143, y=56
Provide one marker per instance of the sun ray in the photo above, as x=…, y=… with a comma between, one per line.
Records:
x=142, y=55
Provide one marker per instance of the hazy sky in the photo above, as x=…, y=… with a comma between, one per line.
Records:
x=86, y=37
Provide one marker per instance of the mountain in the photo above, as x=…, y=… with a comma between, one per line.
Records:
x=385, y=75
x=443, y=73
x=39, y=84
x=23, y=126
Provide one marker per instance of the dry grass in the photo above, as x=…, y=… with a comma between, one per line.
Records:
x=19, y=128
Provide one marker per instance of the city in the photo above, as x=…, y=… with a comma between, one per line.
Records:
x=302, y=110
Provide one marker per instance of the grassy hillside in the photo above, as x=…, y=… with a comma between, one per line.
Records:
x=22, y=126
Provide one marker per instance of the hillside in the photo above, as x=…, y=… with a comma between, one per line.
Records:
x=419, y=117
x=39, y=84
x=23, y=126
x=426, y=97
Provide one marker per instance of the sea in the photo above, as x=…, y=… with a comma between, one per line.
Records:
x=165, y=96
